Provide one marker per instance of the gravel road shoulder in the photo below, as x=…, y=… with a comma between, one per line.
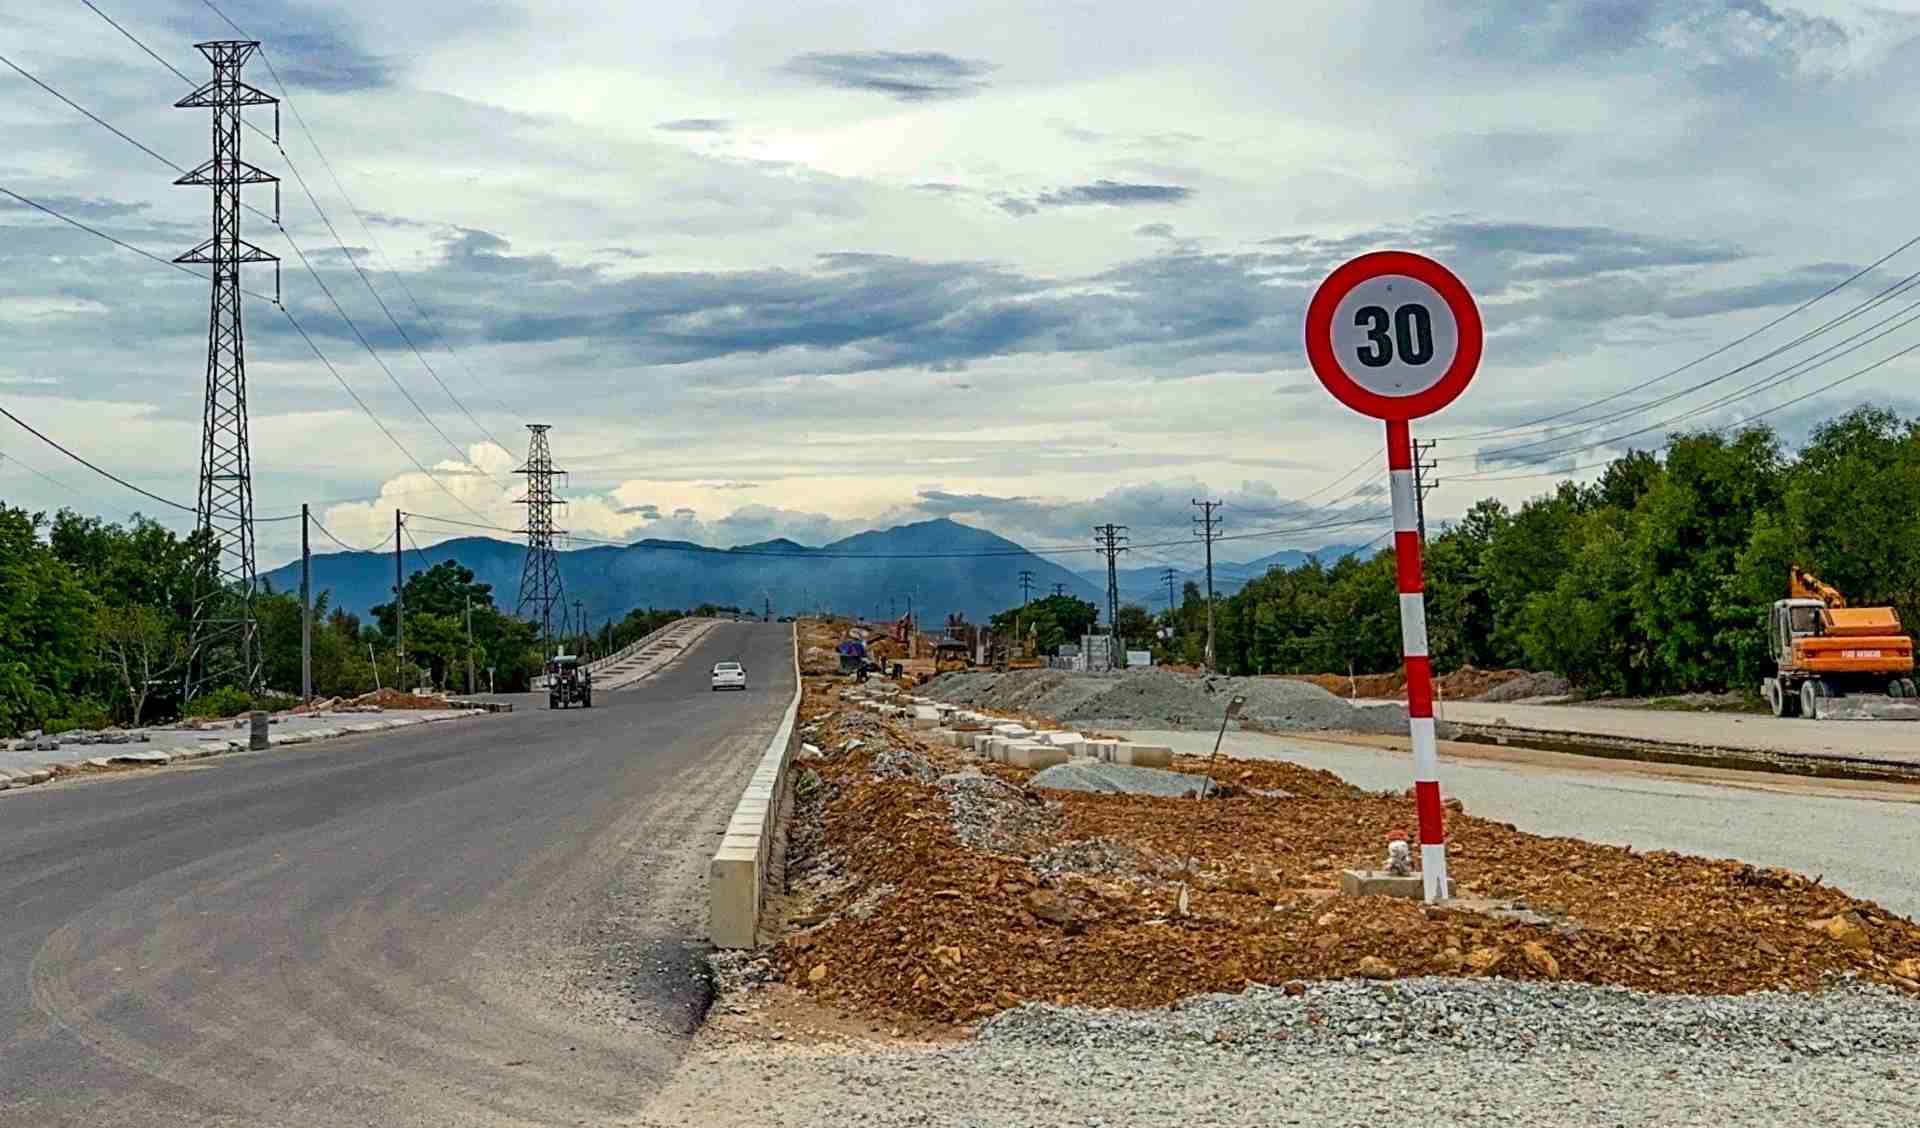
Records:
x=1340, y=1053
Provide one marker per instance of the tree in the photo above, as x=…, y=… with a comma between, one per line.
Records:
x=1054, y=620
x=144, y=646
x=1137, y=627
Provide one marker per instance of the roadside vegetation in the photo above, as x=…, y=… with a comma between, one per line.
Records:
x=96, y=629
x=1654, y=580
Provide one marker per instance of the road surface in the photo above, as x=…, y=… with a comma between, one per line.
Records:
x=1857, y=835
x=1883, y=740
x=491, y=922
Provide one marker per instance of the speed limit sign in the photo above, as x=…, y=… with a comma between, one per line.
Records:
x=1396, y=336
x=1393, y=335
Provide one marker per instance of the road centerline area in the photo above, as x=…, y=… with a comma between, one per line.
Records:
x=498, y=922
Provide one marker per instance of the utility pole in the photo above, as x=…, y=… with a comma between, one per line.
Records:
x=1026, y=587
x=540, y=586
x=226, y=634
x=579, y=624
x=1059, y=589
x=1421, y=483
x=1112, y=540
x=469, y=644
x=1169, y=575
x=1209, y=531
x=306, y=610
x=399, y=598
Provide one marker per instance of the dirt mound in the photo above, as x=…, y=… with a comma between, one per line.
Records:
x=1467, y=683
x=395, y=699
x=1122, y=900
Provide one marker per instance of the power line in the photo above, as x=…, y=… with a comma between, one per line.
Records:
x=96, y=118
x=1735, y=343
x=328, y=533
x=104, y=473
x=116, y=241
x=301, y=121
x=137, y=43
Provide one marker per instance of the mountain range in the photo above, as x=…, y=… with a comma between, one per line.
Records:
x=939, y=566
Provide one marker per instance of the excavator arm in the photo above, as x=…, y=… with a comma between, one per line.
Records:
x=1802, y=584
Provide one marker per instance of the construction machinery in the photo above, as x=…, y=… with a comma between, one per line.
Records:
x=569, y=683
x=1836, y=661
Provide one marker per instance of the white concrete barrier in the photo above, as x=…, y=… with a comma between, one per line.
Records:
x=737, y=875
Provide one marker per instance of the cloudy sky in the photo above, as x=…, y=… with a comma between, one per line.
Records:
x=800, y=269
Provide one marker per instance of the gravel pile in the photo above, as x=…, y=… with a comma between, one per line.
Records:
x=1120, y=779
x=992, y=814
x=1094, y=857
x=1528, y=685
x=1156, y=698
x=902, y=763
x=1347, y=1017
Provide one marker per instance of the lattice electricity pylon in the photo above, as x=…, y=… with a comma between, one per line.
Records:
x=540, y=588
x=226, y=637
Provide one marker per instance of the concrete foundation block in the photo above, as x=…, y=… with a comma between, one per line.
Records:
x=1379, y=883
x=1013, y=730
x=1141, y=755
x=733, y=884
x=1061, y=738
x=1029, y=754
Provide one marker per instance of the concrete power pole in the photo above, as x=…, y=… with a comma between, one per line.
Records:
x=1112, y=540
x=1421, y=484
x=540, y=578
x=399, y=597
x=1169, y=575
x=469, y=644
x=1209, y=531
x=306, y=610
x=1026, y=587
x=226, y=633
x=1059, y=589
x=579, y=624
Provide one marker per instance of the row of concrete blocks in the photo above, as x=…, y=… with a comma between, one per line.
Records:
x=1009, y=743
x=737, y=874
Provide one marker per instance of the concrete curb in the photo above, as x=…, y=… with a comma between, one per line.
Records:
x=138, y=756
x=737, y=874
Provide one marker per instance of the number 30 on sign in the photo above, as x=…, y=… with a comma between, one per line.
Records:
x=1393, y=335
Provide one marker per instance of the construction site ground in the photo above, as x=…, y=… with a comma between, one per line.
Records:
x=948, y=948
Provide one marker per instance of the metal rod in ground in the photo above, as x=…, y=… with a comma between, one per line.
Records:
x=1233, y=710
x=1413, y=637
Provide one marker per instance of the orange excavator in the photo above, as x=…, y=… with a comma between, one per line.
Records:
x=1835, y=661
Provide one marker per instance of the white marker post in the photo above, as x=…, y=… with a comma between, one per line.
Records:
x=1396, y=336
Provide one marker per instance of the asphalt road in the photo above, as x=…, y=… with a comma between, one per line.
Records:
x=495, y=921
x=1855, y=835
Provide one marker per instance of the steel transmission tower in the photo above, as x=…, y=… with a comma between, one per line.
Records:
x=540, y=590
x=226, y=638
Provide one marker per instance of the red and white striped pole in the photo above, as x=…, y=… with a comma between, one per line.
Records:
x=1413, y=645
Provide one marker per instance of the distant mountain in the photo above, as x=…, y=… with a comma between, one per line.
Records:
x=1148, y=586
x=942, y=565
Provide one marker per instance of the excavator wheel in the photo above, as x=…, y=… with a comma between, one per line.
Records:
x=1780, y=699
x=1912, y=689
x=1812, y=692
x=1897, y=688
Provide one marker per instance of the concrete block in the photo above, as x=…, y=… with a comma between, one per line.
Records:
x=1030, y=754
x=733, y=894
x=1141, y=755
x=1013, y=730
x=925, y=718
x=1379, y=883
x=1061, y=739
x=945, y=737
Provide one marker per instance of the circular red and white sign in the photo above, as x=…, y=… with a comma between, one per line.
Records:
x=1393, y=335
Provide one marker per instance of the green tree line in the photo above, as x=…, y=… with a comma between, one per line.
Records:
x=96, y=625
x=1655, y=578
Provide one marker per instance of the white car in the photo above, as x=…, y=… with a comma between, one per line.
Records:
x=729, y=675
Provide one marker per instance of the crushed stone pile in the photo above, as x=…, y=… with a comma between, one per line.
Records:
x=1121, y=779
x=1528, y=685
x=1164, y=699
x=988, y=813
